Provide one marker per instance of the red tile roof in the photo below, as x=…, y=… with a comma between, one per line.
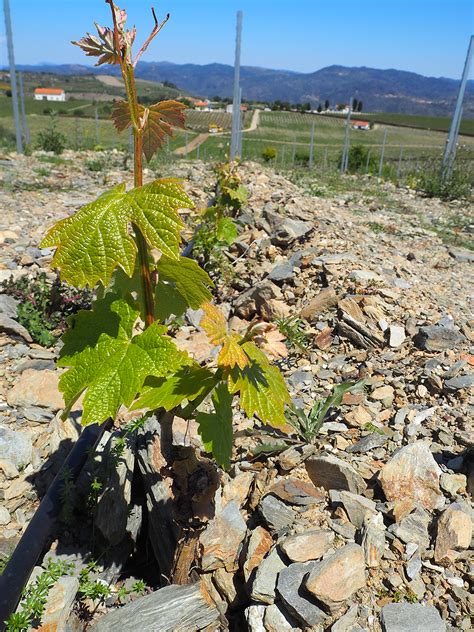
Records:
x=49, y=91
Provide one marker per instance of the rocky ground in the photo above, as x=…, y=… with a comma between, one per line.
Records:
x=369, y=526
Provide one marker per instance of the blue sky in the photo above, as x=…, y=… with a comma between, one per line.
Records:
x=425, y=36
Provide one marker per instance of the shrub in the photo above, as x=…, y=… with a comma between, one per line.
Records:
x=302, y=158
x=97, y=164
x=269, y=154
x=358, y=156
x=7, y=137
x=51, y=140
x=432, y=184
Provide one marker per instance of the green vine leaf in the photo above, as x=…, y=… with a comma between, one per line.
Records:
x=97, y=239
x=187, y=383
x=216, y=428
x=226, y=230
x=185, y=279
x=261, y=386
x=107, y=361
x=158, y=121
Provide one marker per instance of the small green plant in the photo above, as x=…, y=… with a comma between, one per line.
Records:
x=54, y=160
x=34, y=598
x=432, y=183
x=138, y=588
x=94, y=492
x=3, y=563
x=360, y=161
x=94, y=589
x=51, y=139
x=120, y=353
x=302, y=158
x=96, y=164
x=308, y=425
x=44, y=305
x=269, y=154
x=293, y=328
x=217, y=230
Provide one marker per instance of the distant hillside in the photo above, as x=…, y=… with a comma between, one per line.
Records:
x=87, y=86
x=379, y=90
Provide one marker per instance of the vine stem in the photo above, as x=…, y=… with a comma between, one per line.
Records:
x=143, y=255
x=126, y=66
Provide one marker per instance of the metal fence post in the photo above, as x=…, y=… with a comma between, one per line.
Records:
x=345, y=150
x=11, y=61
x=311, y=147
x=399, y=162
x=236, y=121
x=96, y=119
x=26, y=129
x=450, y=150
x=382, y=152
x=368, y=161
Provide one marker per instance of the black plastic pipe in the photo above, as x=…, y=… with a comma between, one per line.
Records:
x=41, y=526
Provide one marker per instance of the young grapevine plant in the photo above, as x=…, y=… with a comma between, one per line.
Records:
x=126, y=246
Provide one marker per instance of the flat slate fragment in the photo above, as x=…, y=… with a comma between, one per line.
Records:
x=276, y=514
x=170, y=609
x=408, y=617
x=297, y=601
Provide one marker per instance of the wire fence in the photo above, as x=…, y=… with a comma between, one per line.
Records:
x=295, y=146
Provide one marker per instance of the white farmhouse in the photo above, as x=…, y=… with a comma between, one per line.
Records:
x=50, y=94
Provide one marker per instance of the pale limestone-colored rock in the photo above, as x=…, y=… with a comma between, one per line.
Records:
x=59, y=605
x=4, y=516
x=383, y=393
x=347, y=621
x=337, y=577
x=260, y=543
x=196, y=344
x=224, y=582
x=454, y=532
x=397, y=336
x=358, y=417
x=276, y=620
x=333, y=473
x=8, y=468
x=357, y=507
x=36, y=388
x=320, y=303
x=16, y=448
x=373, y=539
x=310, y=545
x=221, y=539
x=254, y=616
x=413, y=528
x=453, y=483
x=411, y=477
x=12, y=327
x=237, y=489
x=19, y=487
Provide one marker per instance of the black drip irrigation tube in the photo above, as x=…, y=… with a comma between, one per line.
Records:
x=40, y=528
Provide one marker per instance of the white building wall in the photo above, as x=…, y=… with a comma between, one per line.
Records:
x=50, y=97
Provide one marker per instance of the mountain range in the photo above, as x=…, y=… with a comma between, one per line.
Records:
x=379, y=90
